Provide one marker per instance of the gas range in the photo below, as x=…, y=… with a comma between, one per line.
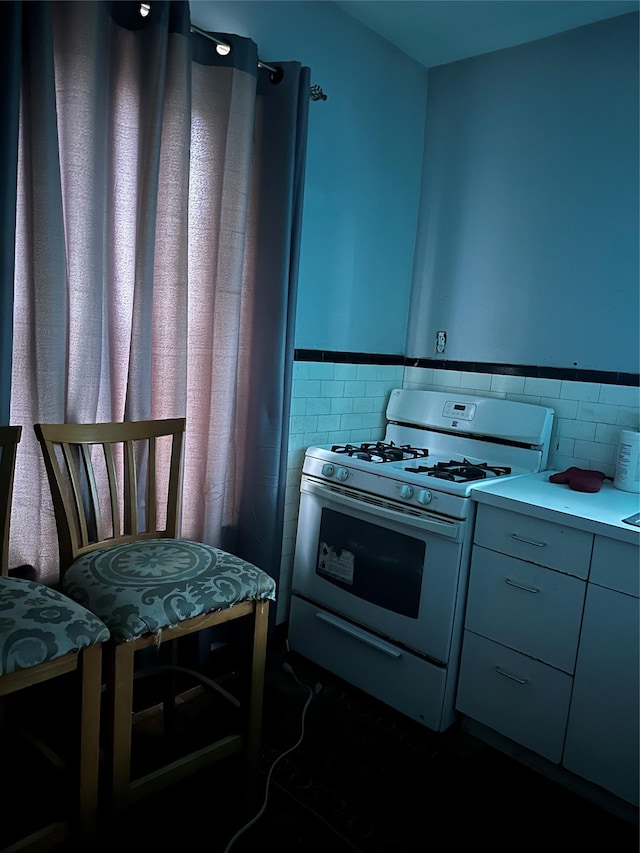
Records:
x=438, y=447
x=384, y=537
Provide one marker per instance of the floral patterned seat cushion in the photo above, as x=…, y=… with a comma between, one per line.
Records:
x=147, y=585
x=39, y=624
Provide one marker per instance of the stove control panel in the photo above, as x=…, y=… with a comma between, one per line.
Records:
x=458, y=410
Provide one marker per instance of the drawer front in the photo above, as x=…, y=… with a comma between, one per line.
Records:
x=616, y=565
x=523, y=699
x=535, y=540
x=529, y=608
x=400, y=679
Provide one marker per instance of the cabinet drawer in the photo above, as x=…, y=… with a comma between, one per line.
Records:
x=529, y=608
x=523, y=699
x=616, y=565
x=532, y=539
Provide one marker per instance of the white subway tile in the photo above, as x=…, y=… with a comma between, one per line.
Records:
x=377, y=389
x=508, y=384
x=321, y=370
x=597, y=412
x=373, y=420
x=342, y=436
x=367, y=372
x=331, y=388
x=345, y=371
x=289, y=529
x=571, y=428
x=389, y=372
x=293, y=478
x=475, y=381
x=295, y=456
x=318, y=405
x=559, y=462
x=523, y=398
x=417, y=377
x=561, y=408
x=329, y=423
x=595, y=452
x=303, y=423
x=315, y=438
x=341, y=405
x=305, y=388
x=580, y=391
x=300, y=370
x=620, y=395
x=607, y=434
x=298, y=406
x=351, y=421
x=380, y=403
x=535, y=386
x=628, y=418
x=358, y=435
x=355, y=388
x=363, y=404
x=563, y=446
x=448, y=378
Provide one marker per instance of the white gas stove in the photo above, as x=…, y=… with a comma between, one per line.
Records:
x=437, y=448
x=384, y=538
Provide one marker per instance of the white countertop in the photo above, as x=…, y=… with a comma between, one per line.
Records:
x=598, y=512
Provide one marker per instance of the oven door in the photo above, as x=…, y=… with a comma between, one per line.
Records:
x=392, y=569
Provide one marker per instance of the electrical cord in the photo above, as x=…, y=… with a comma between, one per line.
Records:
x=312, y=692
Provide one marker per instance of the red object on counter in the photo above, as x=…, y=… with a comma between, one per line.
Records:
x=580, y=479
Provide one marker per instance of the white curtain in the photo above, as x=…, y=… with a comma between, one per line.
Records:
x=138, y=259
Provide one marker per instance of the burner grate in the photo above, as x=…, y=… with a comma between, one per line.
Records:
x=461, y=472
x=381, y=451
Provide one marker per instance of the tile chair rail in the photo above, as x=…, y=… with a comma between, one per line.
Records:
x=122, y=557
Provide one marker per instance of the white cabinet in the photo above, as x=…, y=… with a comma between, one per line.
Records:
x=550, y=653
x=522, y=627
x=602, y=735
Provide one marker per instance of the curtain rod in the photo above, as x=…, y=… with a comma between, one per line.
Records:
x=316, y=93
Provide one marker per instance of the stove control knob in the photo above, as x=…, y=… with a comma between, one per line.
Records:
x=327, y=469
x=342, y=473
x=406, y=492
x=424, y=496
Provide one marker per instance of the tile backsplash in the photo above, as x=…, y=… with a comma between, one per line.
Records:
x=340, y=403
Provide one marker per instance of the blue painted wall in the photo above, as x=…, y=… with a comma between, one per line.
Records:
x=364, y=167
x=525, y=225
x=528, y=232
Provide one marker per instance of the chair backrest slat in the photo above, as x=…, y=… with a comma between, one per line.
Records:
x=114, y=503
x=9, y=439
x=92, y=487
x=151, y=490
x=109, y=471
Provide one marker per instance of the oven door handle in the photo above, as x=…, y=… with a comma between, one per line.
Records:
x=450, y=529
x=357, y=634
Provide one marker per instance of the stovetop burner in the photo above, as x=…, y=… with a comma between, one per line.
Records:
x=461, y=471
x=381, y=451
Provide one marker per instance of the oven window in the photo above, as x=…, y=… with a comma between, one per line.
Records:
x=371, y=562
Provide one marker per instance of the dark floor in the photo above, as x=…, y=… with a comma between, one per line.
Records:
x=364, y=779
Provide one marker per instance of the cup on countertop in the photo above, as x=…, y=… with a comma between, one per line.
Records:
x=627, y=475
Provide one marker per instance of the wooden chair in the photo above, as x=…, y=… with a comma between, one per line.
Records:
x=45, y=635
x=116, y=495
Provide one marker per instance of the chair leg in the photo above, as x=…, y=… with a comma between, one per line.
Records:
x=119, y=683
x=254, y=731
x=170, y=690
x=91, y=676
